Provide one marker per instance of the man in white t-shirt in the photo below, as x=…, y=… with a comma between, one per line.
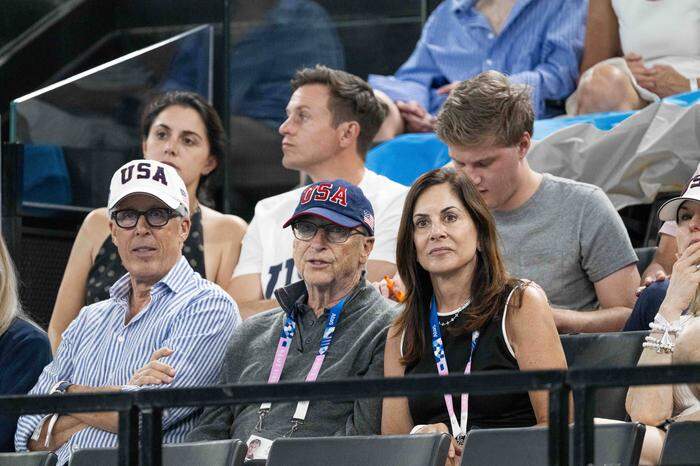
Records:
x=332, y=119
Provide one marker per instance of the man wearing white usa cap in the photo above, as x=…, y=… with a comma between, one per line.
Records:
x=163, y=325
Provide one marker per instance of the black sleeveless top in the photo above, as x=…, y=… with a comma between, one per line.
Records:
x=108, y=267
x=485, y=411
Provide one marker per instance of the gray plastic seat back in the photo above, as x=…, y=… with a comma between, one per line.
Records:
x=32, y=458
x=214, y=453
x=682, y=445
x=598, y=350
x=399, y=450
x=619, y=444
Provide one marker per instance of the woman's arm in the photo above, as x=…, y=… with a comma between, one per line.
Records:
x=396, y=419
x=535, y=341
x=71, y=294
x=652, y=404
x=223, y=235
x=602, y=34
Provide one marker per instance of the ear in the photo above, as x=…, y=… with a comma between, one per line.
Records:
x=524, y=145
x=210, y=166
x=185, y=225
x=348, y=132
x=112, y=231
x=143, y=147
x=367, y=246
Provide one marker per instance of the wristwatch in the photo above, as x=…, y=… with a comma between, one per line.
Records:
x=60, y=387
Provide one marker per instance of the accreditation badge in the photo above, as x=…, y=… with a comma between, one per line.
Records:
x=258, y=448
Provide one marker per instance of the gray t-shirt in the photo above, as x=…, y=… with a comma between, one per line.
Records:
x=565, y=238
x=357, y=350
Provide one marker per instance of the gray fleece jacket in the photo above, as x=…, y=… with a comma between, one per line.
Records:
x=357, y=350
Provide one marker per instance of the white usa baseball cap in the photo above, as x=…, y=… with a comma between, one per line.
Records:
x=669, y=211
x=149, y=177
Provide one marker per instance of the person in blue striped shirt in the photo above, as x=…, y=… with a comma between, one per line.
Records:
x=160, y=312
x=537, y=42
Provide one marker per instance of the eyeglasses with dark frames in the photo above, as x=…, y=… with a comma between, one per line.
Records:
x=305, y=231
x=156, y=217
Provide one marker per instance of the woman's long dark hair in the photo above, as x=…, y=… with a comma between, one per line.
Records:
x=215, y=130
x=490, y=284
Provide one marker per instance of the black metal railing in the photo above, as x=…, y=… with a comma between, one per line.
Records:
x=143, y=446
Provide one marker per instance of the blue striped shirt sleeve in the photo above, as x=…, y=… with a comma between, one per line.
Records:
x=554, y=78
x=196, y=340
x=60, y=368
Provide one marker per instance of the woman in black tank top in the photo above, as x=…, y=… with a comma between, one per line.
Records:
x=457, y=287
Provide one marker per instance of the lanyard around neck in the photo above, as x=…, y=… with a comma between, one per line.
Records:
x=285, y=342
x=459, y=429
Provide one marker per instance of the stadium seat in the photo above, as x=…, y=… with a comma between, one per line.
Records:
x=215, y=453
x=681, y=445
x=400, y=450
x=34, y=458
x=605, y=350
x=619, y=444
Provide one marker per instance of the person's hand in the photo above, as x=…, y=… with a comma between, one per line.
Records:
x=155, y=372
x=641, y=73
x=666, y=81
x=684, y=282
x=416, y=118
x=391, y=288
x=455, y=450
x=447, y=88
x=648, y=280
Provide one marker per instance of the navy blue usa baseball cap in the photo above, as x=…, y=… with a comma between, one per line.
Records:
x=338, y=202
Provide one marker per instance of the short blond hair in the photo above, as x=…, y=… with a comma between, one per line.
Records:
x=9, y=302
x=486, y=109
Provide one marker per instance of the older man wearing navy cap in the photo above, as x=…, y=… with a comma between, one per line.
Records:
x=330, y=325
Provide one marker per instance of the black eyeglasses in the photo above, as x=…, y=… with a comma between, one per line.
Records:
x=155, y=217
x=305, y=231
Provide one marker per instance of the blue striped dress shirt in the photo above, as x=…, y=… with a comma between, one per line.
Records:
x=540, y=45
x=186, y=313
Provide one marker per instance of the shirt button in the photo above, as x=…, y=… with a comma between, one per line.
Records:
x=489, y=61
x=307, y=341
x=491, y=35
x=120, y=338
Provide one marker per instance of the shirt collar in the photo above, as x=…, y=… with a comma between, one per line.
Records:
x=462, y=5
x=294, y=296
x=174, y=280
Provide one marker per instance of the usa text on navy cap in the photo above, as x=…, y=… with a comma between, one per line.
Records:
x=338, y=202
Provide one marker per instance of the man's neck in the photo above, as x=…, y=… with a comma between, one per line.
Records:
x=348, y=166
x=140, y=297
x=529, y=184
x=322, y=298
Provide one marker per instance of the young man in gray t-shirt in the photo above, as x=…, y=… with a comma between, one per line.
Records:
x=564, y=235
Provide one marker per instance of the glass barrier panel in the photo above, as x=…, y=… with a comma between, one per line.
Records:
x=78, y=131
x=270, y=41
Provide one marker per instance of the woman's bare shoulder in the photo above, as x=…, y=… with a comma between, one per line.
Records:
x=220, y=225
x=95, y=227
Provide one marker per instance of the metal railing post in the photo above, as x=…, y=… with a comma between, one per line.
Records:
x=558, y=435
x=151, y=436
x=584, y=448
x=128, y=450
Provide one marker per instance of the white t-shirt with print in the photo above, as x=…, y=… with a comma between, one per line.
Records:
x=267, y=247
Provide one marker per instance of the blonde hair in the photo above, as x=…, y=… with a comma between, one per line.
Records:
x=9, y=302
